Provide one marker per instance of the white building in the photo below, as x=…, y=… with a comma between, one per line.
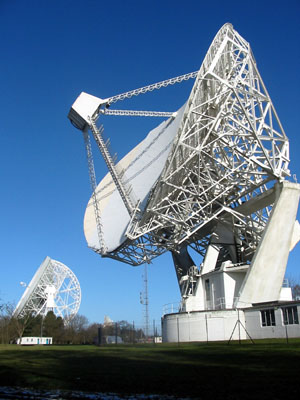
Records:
x=269, y=320
x=33, y=340
x=277, y=320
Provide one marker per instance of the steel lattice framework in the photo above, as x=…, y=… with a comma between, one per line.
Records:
x=66, y=288
x=229, y=151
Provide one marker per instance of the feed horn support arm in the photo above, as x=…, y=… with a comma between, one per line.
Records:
x=86, y=105
x=116, y=176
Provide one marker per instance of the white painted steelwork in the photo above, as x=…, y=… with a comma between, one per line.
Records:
x=150, y=88
x=136, y=174
x=228, y=149
x=54, y=287
x=136, y=113
x=212, y=179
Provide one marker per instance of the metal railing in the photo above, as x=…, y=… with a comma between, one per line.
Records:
x=219, y=304
x=171, y=308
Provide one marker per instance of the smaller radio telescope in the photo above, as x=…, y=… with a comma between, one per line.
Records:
x=54, y=287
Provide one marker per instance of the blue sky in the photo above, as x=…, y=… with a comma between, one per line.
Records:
x=53, y=50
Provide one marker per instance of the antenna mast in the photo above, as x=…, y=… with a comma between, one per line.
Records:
x=146, y=301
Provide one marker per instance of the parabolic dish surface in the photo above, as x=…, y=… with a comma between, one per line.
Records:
x=143, y=166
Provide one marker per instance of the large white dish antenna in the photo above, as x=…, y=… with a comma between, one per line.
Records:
x=212, y=180
x=216, y=163
x=54, y=287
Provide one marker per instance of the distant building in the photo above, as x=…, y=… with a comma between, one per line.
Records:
x=107, y=321
x=112, y=339
x=33, y=340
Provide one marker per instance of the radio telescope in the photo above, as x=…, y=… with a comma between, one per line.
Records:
x=54, y=287
x=210, y=180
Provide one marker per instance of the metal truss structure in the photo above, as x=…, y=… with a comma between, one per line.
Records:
x=150, y=88
x=138, y=113
x=228, y=153
x=55, y=288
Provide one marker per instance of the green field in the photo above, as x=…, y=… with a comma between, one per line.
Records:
x=265, y=370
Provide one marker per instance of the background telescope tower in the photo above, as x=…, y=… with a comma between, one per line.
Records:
x=54, y=287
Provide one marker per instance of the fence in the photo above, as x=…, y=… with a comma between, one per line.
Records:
x=118, y=332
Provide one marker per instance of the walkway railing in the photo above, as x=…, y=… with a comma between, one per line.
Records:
x=171, y=308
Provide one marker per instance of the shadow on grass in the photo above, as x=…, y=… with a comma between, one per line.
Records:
x=201, y=371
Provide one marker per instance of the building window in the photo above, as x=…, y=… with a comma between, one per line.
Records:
x=268, y=318
x=290, y=315
x=207, y=289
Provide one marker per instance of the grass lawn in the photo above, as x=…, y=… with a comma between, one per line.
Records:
x=265, y=370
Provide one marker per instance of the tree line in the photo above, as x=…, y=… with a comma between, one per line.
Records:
x=77, y=331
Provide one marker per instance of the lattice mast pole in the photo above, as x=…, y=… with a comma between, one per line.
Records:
x=146, y=301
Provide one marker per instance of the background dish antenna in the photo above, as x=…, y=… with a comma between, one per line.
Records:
x=54, y=287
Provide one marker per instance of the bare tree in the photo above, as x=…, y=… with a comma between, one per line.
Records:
x=75, y=331
x=10, y=327
x=91, y=333
x=4, y=323
x=294, y=284
x=20, y=324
